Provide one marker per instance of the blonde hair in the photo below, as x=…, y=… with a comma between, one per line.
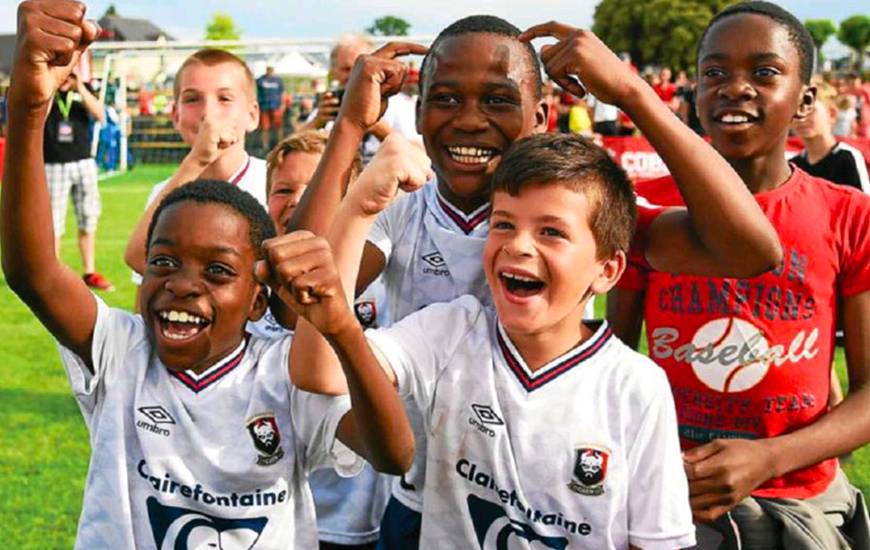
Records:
x=351, y=40
x=305, y=141
x=211, y=57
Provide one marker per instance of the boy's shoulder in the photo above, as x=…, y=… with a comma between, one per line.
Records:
x=634, y=375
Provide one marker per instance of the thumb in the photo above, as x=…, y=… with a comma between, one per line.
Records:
x=700, y=453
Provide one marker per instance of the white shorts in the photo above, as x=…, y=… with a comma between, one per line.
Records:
x=80, y=179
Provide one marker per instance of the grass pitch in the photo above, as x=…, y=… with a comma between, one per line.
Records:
x=44, y=446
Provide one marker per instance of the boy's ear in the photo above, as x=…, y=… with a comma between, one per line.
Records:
x=542, y=115
x=253, y=117
x=173, y=114
x=260, y=303
x=610, y=271
x=807, y=102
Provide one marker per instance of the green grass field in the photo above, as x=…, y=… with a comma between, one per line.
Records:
x=43, y=441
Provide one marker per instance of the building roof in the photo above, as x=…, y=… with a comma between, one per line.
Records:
x=129, y=29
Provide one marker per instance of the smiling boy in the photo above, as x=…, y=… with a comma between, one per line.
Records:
x=198, y=437
x=215, y=105
x=748, y=359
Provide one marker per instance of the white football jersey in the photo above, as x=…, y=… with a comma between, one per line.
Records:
x=218, y=459
x=349, y=509
x=582, y=453
x=434, y=253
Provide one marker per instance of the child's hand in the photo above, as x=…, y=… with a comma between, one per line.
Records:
x=724, y=472
x=398, y=164
x=52, y=34
x=375, y=77
x=213, y=138
x=300, y=268
x=579, y=54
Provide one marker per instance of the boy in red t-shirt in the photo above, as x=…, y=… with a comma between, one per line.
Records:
x=748, y=359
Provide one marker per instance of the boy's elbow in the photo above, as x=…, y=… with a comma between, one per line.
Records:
x=397, y=462
x=768, y=256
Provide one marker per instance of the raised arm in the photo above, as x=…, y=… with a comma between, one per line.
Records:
x=723, y=231
x=215, y=137
x=52, y=34
x=92, y=103
x=376, y=427
x=397, y=164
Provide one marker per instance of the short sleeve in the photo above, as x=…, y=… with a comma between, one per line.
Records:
x=419, y=346
x=115, y=333
x=659, y=515
x=380, y=234
x=646, y=214
x=155, y=192
x=316, y=418
x=855, y=267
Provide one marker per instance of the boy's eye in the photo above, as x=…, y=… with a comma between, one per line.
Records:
x=502, y=225
x=499, y=100
x=226, y=98
x=444, y=99
x=713, y=72
x=162, y=262
x=219, y=270
x=765, y=72
x=553, y=232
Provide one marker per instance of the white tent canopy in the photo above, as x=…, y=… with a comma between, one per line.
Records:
x=287, y=64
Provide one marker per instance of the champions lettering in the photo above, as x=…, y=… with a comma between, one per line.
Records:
x=468, y=470
x=169, y=486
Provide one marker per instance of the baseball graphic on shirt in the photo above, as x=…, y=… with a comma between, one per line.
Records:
x=731, y=355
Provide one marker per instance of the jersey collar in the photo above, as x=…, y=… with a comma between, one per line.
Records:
x=466, y=223
x=238, y=176
x=531, y=381
x=198, y=382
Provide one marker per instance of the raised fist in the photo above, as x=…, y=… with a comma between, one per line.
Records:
x=52, y=34
x=398, y=164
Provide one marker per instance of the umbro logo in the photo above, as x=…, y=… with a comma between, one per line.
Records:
x=486, y=414
x=485, y=417
x=434, y=259
x=156, y=416
x=436, y=265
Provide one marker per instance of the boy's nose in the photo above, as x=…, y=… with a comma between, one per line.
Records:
x=738, y=88
x=183, y=284
x=519, y=245
x=470, y=119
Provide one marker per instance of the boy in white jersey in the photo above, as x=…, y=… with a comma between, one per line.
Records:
x=215, y=105
x=543, y=430
x=198, y=437
x=480, y=92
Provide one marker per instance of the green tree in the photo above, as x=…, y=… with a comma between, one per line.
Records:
x=820, y=30
x=222, y=27
x=111, y=10
x=661, y=32
x=389, y=26
x=855, y=33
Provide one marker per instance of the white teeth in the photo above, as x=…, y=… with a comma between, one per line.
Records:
x=181, y=317
x=519, y=278
x=470, y=155
x=734, y=119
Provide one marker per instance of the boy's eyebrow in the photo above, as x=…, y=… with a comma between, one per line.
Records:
x=213, y=249
x=503, y=213
x=507, y=83
x=760, y=56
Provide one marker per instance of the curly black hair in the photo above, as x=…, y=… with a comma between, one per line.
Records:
x=205, y=191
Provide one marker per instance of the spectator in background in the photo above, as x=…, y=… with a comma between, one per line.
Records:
x=861, y=92
x=667, y=90
x=605, y=117
x=70, y=169
x=306, y=107
x=145, y=101
x=824, y=156
x=846, y=118
x=270, y=93
x=341, y=60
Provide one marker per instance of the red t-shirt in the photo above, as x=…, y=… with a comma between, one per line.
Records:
x=751, y=358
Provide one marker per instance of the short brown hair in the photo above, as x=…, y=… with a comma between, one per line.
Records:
x=211, y=57
x=583, y=167
x=305, y=141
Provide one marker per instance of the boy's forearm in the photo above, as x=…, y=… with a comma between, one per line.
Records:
x=382, y=425
x=726, y=218
x=318, y=205
x=28, y=234
x=134, y=254
x=94, y=106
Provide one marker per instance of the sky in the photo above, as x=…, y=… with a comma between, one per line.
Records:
x=186, y=19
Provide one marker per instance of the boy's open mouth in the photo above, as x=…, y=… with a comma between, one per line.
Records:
x=471, y=155
x=521, y=286
x=180, y=325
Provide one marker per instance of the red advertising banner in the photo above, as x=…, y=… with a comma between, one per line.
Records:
x=641, y=162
